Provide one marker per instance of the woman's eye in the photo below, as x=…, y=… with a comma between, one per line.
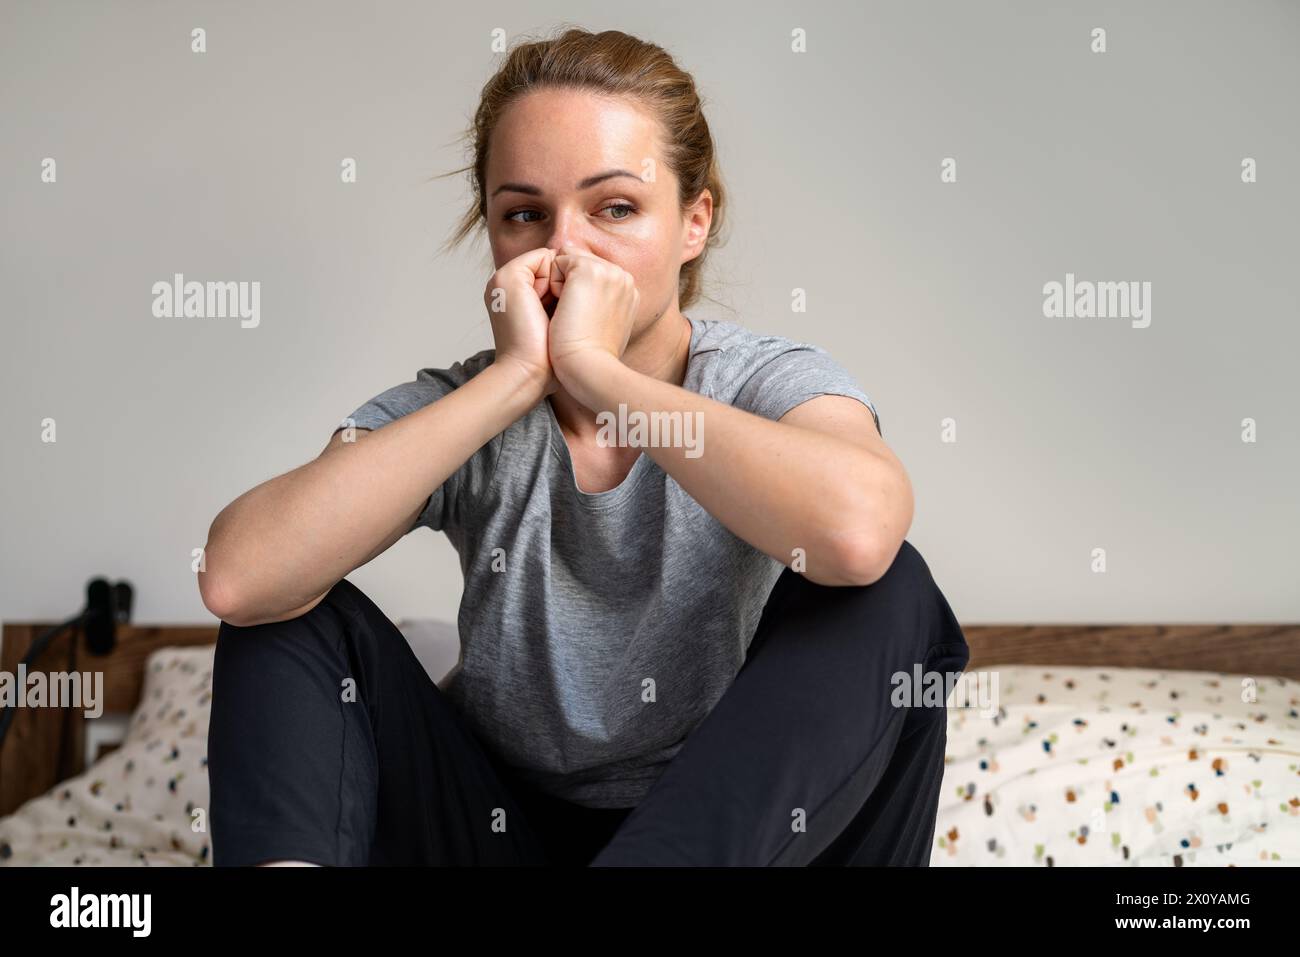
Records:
x=510, y=217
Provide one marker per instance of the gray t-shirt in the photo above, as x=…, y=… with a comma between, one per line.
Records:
x=598, y=629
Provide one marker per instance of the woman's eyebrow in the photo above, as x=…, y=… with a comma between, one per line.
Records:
x=587, y=183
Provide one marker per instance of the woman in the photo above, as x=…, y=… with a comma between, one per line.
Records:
x=641, y=680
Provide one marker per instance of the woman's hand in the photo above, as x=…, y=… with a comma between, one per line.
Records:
x=594, y=317
x=518, y=299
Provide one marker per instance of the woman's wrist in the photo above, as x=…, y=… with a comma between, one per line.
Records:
x=521, y=388
x=587, y=375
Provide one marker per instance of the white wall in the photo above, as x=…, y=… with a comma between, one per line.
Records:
x=1072, y=434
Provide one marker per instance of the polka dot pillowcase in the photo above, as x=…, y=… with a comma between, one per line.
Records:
x=144, y=803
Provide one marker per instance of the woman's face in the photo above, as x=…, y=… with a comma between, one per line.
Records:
x=547, y=185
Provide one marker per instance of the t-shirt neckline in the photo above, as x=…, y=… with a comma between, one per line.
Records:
x=609, y=497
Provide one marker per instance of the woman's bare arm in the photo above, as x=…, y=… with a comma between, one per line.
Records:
x=819, y=486
x=277, y=550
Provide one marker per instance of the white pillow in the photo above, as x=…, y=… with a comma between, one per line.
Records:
x=435, y=642
x=134, y=805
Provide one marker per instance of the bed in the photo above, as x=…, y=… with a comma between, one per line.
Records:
x=1173, y=746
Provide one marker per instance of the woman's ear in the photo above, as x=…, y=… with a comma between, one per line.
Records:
x=696, y=221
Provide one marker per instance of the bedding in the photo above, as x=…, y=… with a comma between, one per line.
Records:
x=1125, y=767
x=138, y=803
x=1075, y=766
x=145, y=802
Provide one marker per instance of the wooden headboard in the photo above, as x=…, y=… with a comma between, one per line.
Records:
x=46, y=745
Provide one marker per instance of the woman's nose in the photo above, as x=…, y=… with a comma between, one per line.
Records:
x=565, y=232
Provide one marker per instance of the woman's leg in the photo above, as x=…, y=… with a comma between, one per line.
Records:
x=808, y=759
x=330, y=744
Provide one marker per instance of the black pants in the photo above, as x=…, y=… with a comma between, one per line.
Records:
x=329, y=743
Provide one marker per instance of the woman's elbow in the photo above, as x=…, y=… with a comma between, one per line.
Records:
x=866, y=545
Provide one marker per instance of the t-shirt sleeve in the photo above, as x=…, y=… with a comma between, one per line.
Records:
x=782, y=375
x=450, y=503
